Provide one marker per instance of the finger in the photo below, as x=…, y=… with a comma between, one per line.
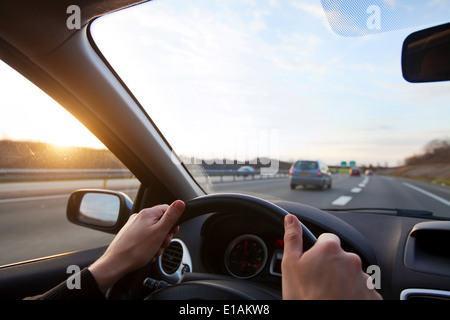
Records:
x=172, y=215
x=329, y=244
x=354, y=261
x=154, y=213
x=328, y=239
x=175, y=230
x=157, y=255
x=167, y=241
x=132, y=217
x=293, y=242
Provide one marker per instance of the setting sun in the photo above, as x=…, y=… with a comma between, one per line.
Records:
x=45, y=122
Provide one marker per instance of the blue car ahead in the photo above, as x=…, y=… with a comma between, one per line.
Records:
x=310, y=173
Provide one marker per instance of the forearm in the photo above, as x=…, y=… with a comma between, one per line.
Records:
x=88, y=290
x=106, y=273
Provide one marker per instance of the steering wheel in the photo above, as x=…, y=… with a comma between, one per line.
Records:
x=211, y=286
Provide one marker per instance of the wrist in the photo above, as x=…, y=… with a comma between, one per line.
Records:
x=106, y=273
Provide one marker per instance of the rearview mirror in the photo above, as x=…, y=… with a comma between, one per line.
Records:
x=426, y=55
x=102, y=210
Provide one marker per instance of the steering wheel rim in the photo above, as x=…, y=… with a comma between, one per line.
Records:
x=234, y=201
x=131, y=285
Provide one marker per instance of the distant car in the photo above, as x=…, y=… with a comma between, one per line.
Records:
x=354, y=171
x=368, y=172
x=310, y=173
x=245, y=171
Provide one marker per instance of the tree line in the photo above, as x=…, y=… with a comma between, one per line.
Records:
x=40, y=155
x=436, y=151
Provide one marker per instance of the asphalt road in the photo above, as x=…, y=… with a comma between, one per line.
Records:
x=33, y=224
x=33, y=221
x=354, y=192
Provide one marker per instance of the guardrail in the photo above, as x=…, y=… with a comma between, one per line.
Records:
x=62, y=174
x=245, y=175
x=68, y=174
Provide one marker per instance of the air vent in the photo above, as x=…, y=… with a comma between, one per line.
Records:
x=424, y=294
x=172, y=257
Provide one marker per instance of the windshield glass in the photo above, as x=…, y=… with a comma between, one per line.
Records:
x=306, y=165
x=267, y=83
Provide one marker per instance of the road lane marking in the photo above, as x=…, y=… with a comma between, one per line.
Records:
x=356, y=190
x=34, y=198
x=435, y=197
x=364, y=182
x=341, y=201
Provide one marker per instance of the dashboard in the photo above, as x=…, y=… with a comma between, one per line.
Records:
x=239, y=246
x=244, y=247
x=236, y=245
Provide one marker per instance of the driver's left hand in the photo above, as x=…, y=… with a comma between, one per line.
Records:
x=141, y=240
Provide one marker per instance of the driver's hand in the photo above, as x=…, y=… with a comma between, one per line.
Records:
x=140, y=240
x=323, y=272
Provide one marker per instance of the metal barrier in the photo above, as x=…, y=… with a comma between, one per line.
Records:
x=62, y=174
x=74, y=174
x=245, y=175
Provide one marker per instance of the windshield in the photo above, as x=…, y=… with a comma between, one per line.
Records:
x=306, y=165
x=267, y=83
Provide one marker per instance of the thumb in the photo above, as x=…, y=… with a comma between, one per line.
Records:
x=172, y=214
x=293, y=241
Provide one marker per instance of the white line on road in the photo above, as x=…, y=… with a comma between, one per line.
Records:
x=34, y=198
x=341, y=201
x=364, y=182
x=446, y=202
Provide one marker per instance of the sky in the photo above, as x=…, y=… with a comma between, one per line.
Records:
x=268, y=78
x=28, y=114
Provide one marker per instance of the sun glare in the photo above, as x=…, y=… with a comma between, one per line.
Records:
x=45, y=121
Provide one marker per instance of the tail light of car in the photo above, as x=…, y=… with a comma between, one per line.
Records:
x=291, y=171
x=319, y=173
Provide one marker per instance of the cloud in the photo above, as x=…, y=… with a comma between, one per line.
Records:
x=313, y=9
x=391, y=3
x=438, y=3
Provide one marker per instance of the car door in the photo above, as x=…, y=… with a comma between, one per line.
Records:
x=45, y=154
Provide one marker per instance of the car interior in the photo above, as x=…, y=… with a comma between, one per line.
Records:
x=410, y=249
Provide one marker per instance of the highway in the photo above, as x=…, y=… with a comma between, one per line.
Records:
x=33, y=223
x=354, y=192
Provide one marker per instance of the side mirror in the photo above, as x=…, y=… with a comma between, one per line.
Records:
x=426, y=55
x=103, y=210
